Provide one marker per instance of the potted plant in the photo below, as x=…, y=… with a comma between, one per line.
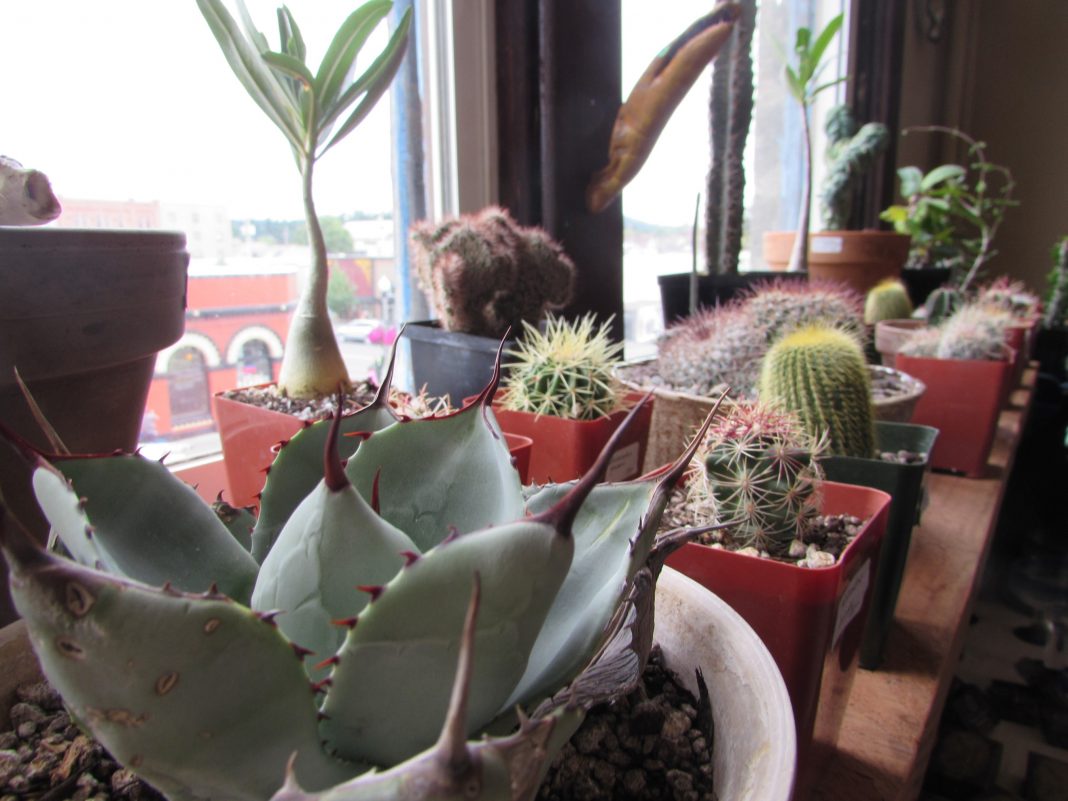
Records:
x=563, y=393
x=803, y=585
x=967, y=368
x=475, y=598
x=1052, y=340
x=314, y=112
x=951, y=214
x=819, y=373
x=803, y=83
x=83, y=314
x=484, y=275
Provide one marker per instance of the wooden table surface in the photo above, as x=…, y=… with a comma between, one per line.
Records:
x=892, y=719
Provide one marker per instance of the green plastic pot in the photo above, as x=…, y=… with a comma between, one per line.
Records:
x=904, y=483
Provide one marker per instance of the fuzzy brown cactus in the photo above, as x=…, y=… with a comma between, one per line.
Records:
x=484, y=273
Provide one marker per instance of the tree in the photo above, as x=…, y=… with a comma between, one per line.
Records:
x=340, y=294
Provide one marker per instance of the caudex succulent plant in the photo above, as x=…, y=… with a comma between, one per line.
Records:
x=567, y=371
x=819, y=373
x=484, y=273
x=437, y=598
x=313, y=112
x=759, y=468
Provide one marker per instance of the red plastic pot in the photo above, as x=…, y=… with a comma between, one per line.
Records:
x=963, y=401
x=565, y=449
x=811, y=619
x=250, y=435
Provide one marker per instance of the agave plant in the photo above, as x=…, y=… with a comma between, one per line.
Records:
x=190, y=657
x=314, y=112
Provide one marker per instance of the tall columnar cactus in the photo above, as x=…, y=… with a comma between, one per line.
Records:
x=190, y=658
x=974, y=332
x=730, y=112
x=714, y=348
x=850, y=153
x=759, y=468
x=567, y=371
x=484, y=273
x=887, y=300
x=819, y=373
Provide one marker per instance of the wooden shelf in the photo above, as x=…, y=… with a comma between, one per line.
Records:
x=892, y=719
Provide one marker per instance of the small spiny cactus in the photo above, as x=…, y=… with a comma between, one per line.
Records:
x=782, y=306
x=1008, y=296
x=974, y=332
x=819, y=373
x=887, y=300
x=566, y=371
x=484, y=273
x=759, y=466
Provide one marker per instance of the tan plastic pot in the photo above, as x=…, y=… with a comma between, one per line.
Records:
x=82, y=316
x=859, y=259
x=890, y=335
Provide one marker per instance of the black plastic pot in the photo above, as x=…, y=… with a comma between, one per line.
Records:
x=923, y=281
x=1051, y=350
x=711, y=290
x=451, y=363
x=904, y=483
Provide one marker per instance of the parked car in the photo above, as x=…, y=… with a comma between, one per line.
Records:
x=358, y=330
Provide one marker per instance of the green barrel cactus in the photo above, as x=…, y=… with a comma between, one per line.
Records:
x=887, y=300
x=567, y=371
x=819, y=372
x=759, y=470
x=438, y=598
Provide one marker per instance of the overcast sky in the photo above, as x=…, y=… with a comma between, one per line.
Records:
x=129, y=99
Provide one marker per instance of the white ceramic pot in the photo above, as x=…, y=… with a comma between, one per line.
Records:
x=755, y=747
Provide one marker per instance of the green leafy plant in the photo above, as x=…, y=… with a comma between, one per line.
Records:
x=567, y=371
x=953, y=212
x=188, y=653
x=803, y=82
x=314, y=112
x=484, y=273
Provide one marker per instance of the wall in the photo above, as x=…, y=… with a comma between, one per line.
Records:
x=996, y=73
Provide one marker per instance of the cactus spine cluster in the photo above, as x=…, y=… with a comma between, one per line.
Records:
x=850, y=154
x=783, y=306
x=190, y=658
x=567, y=371
x=730, y=112
x=820, y=374
x=759, y=467
x=973, y=332
x=484, y=273
x=887, y=300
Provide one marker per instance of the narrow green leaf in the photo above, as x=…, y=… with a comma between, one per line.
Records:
x=824, y=39
x=251, y=31
x=290, y=67
x=342, y=52
x=261, y=84
x=377, y=79
x=827, y=85
x=292, y=40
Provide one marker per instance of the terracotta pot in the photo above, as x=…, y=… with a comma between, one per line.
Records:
x=859, y=259
x=565, y=449
x=811, y=620
x=756, y=758
x=890, y=335
x=963, y=401
x=250, y=436
x=82, y=316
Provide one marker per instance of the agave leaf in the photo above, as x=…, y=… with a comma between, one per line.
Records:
x=333, y=543
x=149, y=525
x=66, y=515
x=439, y=474
x=374, y=81
x=239, y=521
x=245, y=60
x=391, y=687
x=175, y=686
x=299, y=467
x=346, y=45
